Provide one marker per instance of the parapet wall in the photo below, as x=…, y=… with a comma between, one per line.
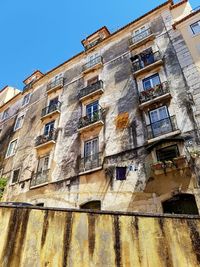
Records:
x=50, y=238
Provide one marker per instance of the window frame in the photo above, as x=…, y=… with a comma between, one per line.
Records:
x=192, y=30
x=27, y=102
x=14, y=152
x=5, y=114
x=150, y=78
x=18, y=117
x=14, y=182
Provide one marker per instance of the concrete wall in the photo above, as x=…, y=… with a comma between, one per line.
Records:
x=53, y=238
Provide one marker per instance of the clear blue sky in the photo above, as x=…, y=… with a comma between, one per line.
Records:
x=41, y=34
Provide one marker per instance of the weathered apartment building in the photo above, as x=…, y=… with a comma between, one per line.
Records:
x=116, y=127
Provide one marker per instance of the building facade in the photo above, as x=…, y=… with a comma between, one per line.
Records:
x=115, y=127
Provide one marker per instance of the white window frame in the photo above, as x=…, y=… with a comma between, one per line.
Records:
x=13, y=175
x=23, y=101
x=16, y=122
x=193, y=33
x=5, y=114
x=15, y=148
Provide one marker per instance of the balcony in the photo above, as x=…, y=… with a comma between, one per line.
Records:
x=166, y=127
x=90, y=163
x=92, y=44
x=43, y=141
x=155, y=94
x=91, y=120
x=93, y=64
x=51, y=110
x=55, y=85
x=146, y=62
x=28, y=86
x=40, y=178
x=141, y=38
x=91, y=90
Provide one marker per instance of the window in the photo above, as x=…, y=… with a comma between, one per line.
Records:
x=181, y=204
x=91, y=149
x=11, y=148
x=43, y=165
x=195, y=27
x=92, y=205
x=160, y=121
x=15, y=176
x=49, y=127
x=5, y=114
x=26, y=99
x=92, y=111
x=140, y=33
x=121, y=173
x=19, y=122
x=167, y=153
x=151, y=82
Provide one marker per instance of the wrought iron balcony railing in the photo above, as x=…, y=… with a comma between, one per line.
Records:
x=57, y=83
x=90, y=162
x=161, y=127
x=28, y=86
x=90, y=89
x=93, y=43
x=92, y=63
x=51, y=108
x=42, y=139
x=40, y=178
x=151, y=93
x=90, y=118
x=146, y=60
x=139, y=37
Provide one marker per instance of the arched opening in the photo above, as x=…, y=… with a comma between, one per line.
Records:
x=92, y=205
x=181, y=204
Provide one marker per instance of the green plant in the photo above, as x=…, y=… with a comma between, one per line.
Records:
x=3, y=183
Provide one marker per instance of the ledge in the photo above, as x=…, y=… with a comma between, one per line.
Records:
x=142, y=41
x=54, y=88
x=55, y=112
x=92, y=170
x=39, y=185
x=92, y=68
x=149, y=67
x=49, y=143
x=95, y=124
x=156, y=99
x=97, y=92
x=163, y=136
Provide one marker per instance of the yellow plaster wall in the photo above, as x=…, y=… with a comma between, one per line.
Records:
x=53, y=238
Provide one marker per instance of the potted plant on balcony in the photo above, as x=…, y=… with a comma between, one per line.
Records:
x=158, y=165
x=180, y=161
x=169, y=164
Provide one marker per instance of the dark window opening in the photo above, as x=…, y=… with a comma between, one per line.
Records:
x=92, y=205
x=39, y=204
x=15, y=176
x=121, y=173
x=167, y=153
x=181, y=204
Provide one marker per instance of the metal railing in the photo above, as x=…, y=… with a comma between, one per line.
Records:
x=140, y=36
x=40, y=178
x=93, y=43
x=55, y=84
x=28, y=86
x=92, y=63
x=42, y=139
x=90, y=89
x=146, y=60
x=90, y=118
x=90, y=162
x=151, y=93
x=50, y=109
x=161, y=127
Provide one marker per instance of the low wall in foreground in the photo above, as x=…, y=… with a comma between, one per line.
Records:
x=50, y=238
